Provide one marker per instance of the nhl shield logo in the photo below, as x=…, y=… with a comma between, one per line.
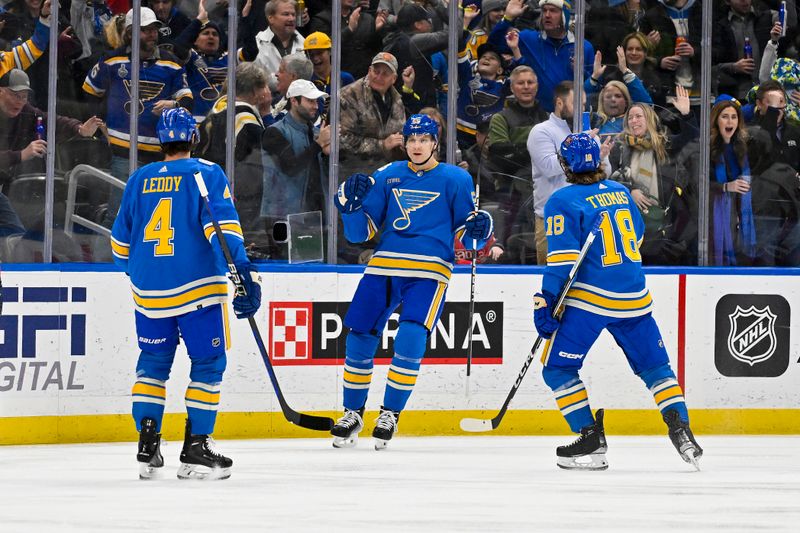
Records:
x=752, y=334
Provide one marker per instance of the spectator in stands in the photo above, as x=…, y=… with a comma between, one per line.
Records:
x=544, y=143
x=549, y=50
x=606, y=22
x=280, y=39
x=677, y=58
x=782, y=138
x=173, y=22
x=482, y=88
x=21, y=148
x=732, y=236
x=508, y=150
x=491, y=13
x=207, y=64
x=413, y=43
x=739, y=20
x=372, y=118
x=162, y=85
x=295, y=177
x=603, y=74
x=253, y=100
x=638, y=59
x=437, y=10
x=23, y=55
x=362, y=33
x=292, y=67
x=318, y=50
x=644, y=160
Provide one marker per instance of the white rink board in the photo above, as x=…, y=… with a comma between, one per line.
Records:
x=103, y=377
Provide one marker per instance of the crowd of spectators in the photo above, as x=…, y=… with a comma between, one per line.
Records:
x=515, y=97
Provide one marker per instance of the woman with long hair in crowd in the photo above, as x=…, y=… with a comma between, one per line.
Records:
x=644, y=159
x=732, y=234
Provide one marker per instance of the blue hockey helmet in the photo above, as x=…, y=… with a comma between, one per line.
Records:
x=580, y=153
x=176, y=126
x=421, y=125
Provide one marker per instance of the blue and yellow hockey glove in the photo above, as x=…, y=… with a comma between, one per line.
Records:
x=246, y=305
x=479, y=225
x=543, y=319
x=353, y=192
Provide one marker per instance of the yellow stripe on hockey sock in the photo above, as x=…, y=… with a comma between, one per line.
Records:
x=668, y=393
x=149, y=390
x=402, y=379
x=202, y=396
x=357, y=378
x=571, y=399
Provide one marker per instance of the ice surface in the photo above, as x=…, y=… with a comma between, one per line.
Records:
x=484, y=483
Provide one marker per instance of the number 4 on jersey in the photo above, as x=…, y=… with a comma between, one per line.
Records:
x=159, y=228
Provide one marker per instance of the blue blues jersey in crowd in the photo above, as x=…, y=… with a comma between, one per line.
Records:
x=206, y=77
x=164, y=238
x=610, y=281
x=160, y=78
x=421, y=214
x=478, y=98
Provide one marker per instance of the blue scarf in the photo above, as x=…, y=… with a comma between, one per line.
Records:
x=725, y=170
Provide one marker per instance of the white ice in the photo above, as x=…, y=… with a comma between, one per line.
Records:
x=484, y=483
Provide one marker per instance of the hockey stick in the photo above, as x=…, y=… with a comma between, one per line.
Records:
x=479, y=425
x=472, y=276
x=317, y=423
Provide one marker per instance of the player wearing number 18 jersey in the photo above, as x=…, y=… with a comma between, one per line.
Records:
x=609, y=293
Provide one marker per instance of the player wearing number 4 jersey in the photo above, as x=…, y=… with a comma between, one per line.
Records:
x=609, y=293
x=164, y=239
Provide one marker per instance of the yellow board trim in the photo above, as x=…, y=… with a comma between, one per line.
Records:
x=119, y=428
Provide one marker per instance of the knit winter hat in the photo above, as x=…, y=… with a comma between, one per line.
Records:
x=491, y=5
x=564, y=5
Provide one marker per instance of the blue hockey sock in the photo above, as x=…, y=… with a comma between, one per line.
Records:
x=202, y=401
x=149, y=396
x=358, y=363
x=409, y=347
x=666, y=390
x=571, y=397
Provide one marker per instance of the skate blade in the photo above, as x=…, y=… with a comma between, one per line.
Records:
x=203, y=473
x=345, y=442
x=595, y=461
x=150, y=472
x=381, y=444
x=691, y=456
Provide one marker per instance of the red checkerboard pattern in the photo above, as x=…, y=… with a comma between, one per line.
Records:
x=290, y=330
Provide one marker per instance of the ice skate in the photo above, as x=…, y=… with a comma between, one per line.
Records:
x=385, y=427
x=588, y=452
x=683, y=439
x=149, y=453
x=200, y=460
x=345, y=431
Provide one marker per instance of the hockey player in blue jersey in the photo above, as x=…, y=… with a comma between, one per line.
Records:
x=421, y=206
x=609, y=293
x=164, y=240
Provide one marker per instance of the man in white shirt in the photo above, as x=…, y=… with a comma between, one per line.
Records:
x=544, y=142
x=279, y=39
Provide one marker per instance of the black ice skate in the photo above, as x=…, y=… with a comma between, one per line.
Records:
x=149, y=454
x=385, y=427
x=345, y=431
x=588, y=452
x=683, y=439
x=199, y=459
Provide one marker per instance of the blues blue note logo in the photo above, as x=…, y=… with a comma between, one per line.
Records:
x=410, y=200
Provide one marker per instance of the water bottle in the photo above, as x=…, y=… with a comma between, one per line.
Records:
x=301, y=7
x=782, y=17
x=748, y=48
x=39, y=128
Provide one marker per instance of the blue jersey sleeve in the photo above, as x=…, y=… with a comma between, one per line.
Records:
x=463, y=205
x=97, y=80
x=123, y=224
x=564, y=240
x=221, y=201
x=365, y=223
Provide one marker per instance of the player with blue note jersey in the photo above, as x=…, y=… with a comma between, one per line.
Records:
x=164, y=239
x=420, y=206
x=609, y=293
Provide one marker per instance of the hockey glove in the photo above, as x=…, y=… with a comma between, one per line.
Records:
x=479, y=225
x=353, y=192
x=543, y=310
x=246, y=305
